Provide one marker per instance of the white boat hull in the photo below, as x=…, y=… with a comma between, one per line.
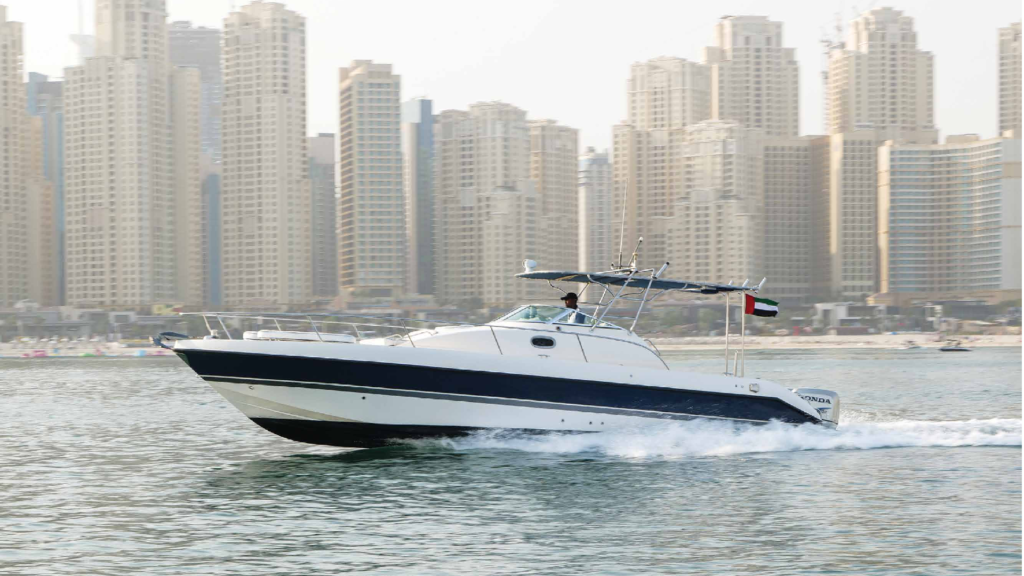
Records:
x=364, y=396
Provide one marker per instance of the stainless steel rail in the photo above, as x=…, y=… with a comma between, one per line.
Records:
x=406, y=332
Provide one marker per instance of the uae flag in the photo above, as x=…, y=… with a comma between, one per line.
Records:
x=761, y=306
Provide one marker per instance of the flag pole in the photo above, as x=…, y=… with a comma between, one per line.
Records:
x=743, y=333
x=726, y=332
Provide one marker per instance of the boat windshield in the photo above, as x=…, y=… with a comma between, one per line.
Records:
x=535, y=313
x=553, y=315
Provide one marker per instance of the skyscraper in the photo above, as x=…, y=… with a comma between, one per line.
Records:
x=371, y=208
x=554, y=156
x=119, y=189
x=189, y=218
x=418, y=179
x=880, y=87
x=715, y=230
x=1009, y=78
x=754, y=79
x=668, y=92
x=665, y=95
x=41, y=215
x=880, y=80
x=323, y=216
x=265, y=194
x=199, y=47
x=481, y=184
x=949, y=219
x=13, y=159
x=46, y=100
x=598, y=227
x=795, y=180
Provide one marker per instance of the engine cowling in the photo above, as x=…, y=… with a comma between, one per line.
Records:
x=826, y=402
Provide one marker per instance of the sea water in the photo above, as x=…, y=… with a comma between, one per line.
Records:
x=135, y=466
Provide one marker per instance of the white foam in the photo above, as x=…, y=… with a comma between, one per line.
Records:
x=712, y=438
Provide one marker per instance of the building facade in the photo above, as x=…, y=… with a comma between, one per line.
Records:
x=795, y=180
x=14, y=154
x=1009, y=78
x=716, y=228
x=554, y=153
x=880, y=80
x=371, y=207
x=754, y=79
x=119, y=188
x=665, y=95
x=949, y=219
x=189, y=219
x=880, y=86
x=598, y=226
x=418, y=180
x=46, y=101
x=199, y=47
x=265, y=193
x=41, y=218
x=481, y=182
x=668, y=92
x=323, y=216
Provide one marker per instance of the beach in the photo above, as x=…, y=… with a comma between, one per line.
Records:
x=820, y=341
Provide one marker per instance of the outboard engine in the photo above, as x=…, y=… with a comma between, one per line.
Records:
x=826, y=402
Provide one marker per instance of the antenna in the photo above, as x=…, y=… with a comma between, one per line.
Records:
x=622, y=226
x=632, y=260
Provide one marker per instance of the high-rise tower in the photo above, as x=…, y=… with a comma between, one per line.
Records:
x=265, y=193
x=754, y=79
x=1009, y=78
x=371, y=208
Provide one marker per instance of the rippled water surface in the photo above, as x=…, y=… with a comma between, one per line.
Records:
x=135, y=466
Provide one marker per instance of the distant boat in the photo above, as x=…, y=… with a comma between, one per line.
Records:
x=954, y=346
x=910, y=345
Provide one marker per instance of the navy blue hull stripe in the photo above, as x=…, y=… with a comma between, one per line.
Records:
x=458, y=398
x=429, y=379
x=360, y=435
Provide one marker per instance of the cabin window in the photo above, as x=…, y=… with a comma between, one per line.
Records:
x=543, y=342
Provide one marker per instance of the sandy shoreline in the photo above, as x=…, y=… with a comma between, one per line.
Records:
x=870, y=341
x=877, y=341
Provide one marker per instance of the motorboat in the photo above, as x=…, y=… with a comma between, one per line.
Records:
x=954, y=346
x=360, y=381
x=910, y=345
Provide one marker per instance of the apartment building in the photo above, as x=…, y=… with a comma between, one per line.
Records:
x=41, y=220
x=14, y=153
x=371, y=208
x=1009, y=78
x=189, y=217
x=598, y=226
x=45, y=100
x=554, y=152
x=668, y=92
x=323, y=216
x=482, y=181
x=754, y=80
x=664, y=95
x=265, y=190
x=879, y=79
x=880, y=87
x=199, y=47
x=949, y=219
x=119, y=182
x=795, y=179
x=418, y=181
x=716, y=228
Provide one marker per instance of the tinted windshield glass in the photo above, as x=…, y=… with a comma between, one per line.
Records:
x=535, y=314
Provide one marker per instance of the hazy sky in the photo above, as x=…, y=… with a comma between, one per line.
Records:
x=568, y=60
